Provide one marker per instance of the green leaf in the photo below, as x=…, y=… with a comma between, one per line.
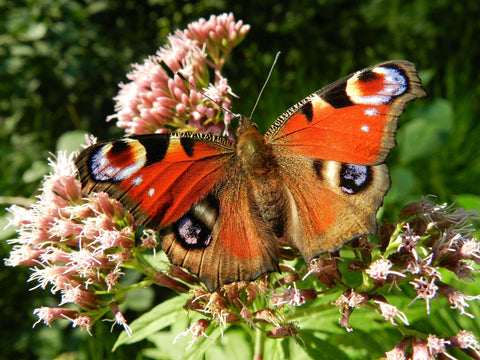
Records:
x=35, y=172
x=35, y=31
x=160, y=317
x=403, y=183
x=233, y=346
x=424, y=135
x=317, y=348
x=467, y=201
x=139, y=299
x=71, y=141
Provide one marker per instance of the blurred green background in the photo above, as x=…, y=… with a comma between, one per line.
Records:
x=61, y=61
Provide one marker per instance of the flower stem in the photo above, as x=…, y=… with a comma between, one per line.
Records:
x=259, y=343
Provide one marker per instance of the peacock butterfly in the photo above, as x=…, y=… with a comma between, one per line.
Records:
x=314, y=181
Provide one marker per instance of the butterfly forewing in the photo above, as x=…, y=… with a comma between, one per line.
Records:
x=352, y=120
x=156, y=177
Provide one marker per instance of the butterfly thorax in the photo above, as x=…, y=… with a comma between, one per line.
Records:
x=254, y=154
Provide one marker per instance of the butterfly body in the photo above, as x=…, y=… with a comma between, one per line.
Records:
x=314, y=181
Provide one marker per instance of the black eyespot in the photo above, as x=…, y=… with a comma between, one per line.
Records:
x=368, y=76
x=354, y=178
x=191, y=233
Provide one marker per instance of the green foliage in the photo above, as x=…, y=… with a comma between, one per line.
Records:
x=61, y=60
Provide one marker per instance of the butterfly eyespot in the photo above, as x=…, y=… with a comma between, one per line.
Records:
x=376, y=86
x=117, y=161
x=191, y=233
x=354, y=178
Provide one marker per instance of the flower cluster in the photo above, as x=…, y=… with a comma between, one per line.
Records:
x=172, y=90
x=78, y=246
x=73, y=245
x=429, y=240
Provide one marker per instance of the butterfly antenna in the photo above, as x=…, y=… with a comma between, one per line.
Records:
x=170, y=73
x=265, y=84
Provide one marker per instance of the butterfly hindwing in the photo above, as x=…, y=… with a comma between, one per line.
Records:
x=352, y=120
x=331, y=202
x=234, y=242
x=155, y=177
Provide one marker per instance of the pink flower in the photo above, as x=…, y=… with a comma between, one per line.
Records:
x=217, y=308
x=83, y=298
x=457, y=299
x=409, y=241
x=426, y=290
x=420, y=350
x=84, y=322
x=325, y=269
x=268, y=315
x=54, y=275
x=149, y=240
x=470, y=249
x=197, y=330
x=120, y=319
x=398, y=352
x=346, y=303
x=380, y=270
x=156, y=100
x=112, y=278
x=23, y=255
x=466, y=341
x=48, y=314
x=288, y=330
x=292, y=296
x=247, y=316
x=389, y=312
x=437, y=346
x=219, y=33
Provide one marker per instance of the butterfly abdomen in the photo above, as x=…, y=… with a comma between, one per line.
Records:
x=267, y=192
